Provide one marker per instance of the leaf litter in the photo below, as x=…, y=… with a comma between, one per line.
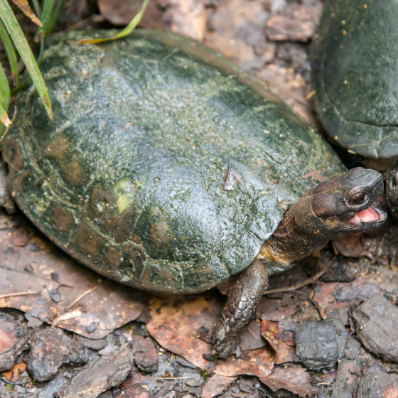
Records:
x=27, y=269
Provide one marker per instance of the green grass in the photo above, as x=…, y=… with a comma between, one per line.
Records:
x=22, y=46
x=15, y=44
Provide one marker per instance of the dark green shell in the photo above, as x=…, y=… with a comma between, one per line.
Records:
x=128, y=177
x=355, y=75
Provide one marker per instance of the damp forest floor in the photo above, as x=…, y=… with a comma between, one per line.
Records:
x=67, y=332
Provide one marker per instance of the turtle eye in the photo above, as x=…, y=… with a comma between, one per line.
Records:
x=356, y=198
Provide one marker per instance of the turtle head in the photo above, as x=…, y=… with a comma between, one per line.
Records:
x=392, y=192
x=345, y=203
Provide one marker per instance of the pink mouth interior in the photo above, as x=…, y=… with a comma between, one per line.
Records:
x=367, y=215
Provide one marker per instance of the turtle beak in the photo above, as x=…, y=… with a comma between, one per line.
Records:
x=368, y=219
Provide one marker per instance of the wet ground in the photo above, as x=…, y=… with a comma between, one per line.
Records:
x=65, y=331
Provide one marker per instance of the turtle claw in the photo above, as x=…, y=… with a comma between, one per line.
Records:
x=225, y=343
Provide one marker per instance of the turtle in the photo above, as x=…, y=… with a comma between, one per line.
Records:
x=354, y=68
x=169, y=169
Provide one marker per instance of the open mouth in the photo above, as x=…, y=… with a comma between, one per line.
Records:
x=368, y=215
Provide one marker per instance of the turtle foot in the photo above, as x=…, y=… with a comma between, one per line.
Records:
x=244, y=295
x=224, y=343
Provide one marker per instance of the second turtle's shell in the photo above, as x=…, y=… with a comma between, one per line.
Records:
x=355, y=75
x=128, y=178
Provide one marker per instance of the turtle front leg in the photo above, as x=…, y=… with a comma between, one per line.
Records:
x=244, y=295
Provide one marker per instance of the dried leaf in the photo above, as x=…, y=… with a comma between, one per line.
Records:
x=231, y=178
x=176, y=320
x=4, y=117
x=256, y=363
x=270, y=331
x=296, y=380
x=285, y=353
x=251, y=338
x=352, y=246
x=278, y=309
x=327, y=304
x=13, y=374
x=24, y=7
x=216, y=385
x=29, y=269
x=175, y=323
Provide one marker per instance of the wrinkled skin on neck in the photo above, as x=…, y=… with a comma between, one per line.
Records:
x=334, y=209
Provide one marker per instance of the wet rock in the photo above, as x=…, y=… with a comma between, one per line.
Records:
x=92, y=327
x=55, y=295
x=29, y=269
x=191, y=380
x=352, y=348
x=145, y=354
x=379, y=385
x=52, y=388
x=50, y=348
x=182, y=361
x=13, y=340
x=100, y=375
x=55, y=276
x=347, y=379
x=95, y=345
x=320, y=344
x=376, y=323
x=33, y=321
x=357, y=291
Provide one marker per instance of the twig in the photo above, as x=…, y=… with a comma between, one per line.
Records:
x=80, y=297
x=11, y=382
x=17, y=294
x=300, y=285
x=172, y=378
x=248, y=329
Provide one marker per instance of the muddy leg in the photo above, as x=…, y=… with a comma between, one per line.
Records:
x=244, y=295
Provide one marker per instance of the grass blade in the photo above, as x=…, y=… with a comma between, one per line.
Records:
x=11, y=55
x=126, y=31
x=46, y=15
x=23, y=5
x=54, y=16
x=4, y=99
x=24, y=50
